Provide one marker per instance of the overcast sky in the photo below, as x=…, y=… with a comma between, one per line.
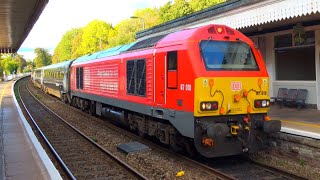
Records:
x=60, y=16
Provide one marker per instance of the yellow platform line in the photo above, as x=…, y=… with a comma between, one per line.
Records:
x=301, y=123
x=3, y=91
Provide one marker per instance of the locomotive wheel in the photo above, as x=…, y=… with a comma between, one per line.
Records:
x=92, y=108
x=141, y=134
x=174, y=145
x=190, y=149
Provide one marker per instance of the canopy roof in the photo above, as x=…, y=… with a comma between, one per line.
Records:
x=248, y=16
x=17, y=18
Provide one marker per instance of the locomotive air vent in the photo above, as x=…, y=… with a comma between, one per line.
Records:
x=212, y=30
x=229, y=31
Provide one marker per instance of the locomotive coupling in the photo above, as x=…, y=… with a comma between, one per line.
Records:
x=218, y=130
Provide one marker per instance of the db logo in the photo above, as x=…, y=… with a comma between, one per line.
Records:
x=236, y=86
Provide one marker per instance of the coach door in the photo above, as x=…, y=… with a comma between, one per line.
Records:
x=160, y=78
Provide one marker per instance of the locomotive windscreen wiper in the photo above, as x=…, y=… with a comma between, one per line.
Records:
x=207, y=41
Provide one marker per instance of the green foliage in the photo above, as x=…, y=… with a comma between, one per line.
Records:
x=302, y=162
x=99, y=35
x=64, y=50
x=181, y=8
x=125, y=31
x=43, y=58
x=29, y=67
x=9, y=65
x=76, y=43
x=172, y=11
x=1, y=66
x=21, y=62
x=12, y=64
x=197, y=5
x=95, y=37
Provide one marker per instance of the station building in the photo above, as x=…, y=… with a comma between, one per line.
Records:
x=287, y=32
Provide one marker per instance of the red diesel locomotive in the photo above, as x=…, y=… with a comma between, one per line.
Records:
x=201, y=89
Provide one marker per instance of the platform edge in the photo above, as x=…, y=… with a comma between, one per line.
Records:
x=49, y=166
x=300, y=133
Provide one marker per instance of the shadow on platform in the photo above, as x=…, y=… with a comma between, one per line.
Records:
x=304, y=115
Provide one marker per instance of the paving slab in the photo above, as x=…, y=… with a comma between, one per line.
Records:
x=19, y=156
x=303, y=122
x=132, y=147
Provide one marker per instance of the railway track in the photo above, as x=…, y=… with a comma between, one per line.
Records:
x=235, y=167
x=78, y=154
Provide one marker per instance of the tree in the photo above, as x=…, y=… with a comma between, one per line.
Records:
x=95, y=37
x=64, y=49
x=125, y=31
x=76, y=43
x=197, y=5
x=1, y=66
x=172, y=11
x=21, y=62
x=43, y=58
x=98, y=35
x=165, y=14
x=29, y=67
x=150, y=16
x=9, y=65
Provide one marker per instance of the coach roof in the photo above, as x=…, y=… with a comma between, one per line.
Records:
x=105, y=53
x=62, y=65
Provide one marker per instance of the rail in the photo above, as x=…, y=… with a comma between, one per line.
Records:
x=65, y=168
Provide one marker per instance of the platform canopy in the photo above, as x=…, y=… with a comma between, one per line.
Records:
x=17, y=18
x=245, y=15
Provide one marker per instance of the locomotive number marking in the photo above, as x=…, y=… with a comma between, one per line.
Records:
x=236, y=86
x=185, y=87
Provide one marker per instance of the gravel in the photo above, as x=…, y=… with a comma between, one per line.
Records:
x=154, y=164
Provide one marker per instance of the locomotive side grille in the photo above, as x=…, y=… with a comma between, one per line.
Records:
x=149, y=80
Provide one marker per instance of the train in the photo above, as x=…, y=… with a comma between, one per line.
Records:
x=202, y=90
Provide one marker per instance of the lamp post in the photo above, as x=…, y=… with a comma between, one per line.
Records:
x=143, y=23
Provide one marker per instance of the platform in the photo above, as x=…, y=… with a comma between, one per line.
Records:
x=303, y=122
x=22, y=156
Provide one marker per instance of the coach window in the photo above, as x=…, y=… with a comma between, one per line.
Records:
x=172, y=64
x=136, y=77
x=79, y=77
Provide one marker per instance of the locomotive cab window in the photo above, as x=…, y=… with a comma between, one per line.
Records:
x=222, y=55
x=136, y=77
x=172, y=65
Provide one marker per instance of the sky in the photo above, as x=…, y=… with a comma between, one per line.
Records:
x=59, y=16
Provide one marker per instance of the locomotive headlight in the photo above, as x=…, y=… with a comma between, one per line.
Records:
x=208, y=105
x=264, y=103
x=203, y=106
